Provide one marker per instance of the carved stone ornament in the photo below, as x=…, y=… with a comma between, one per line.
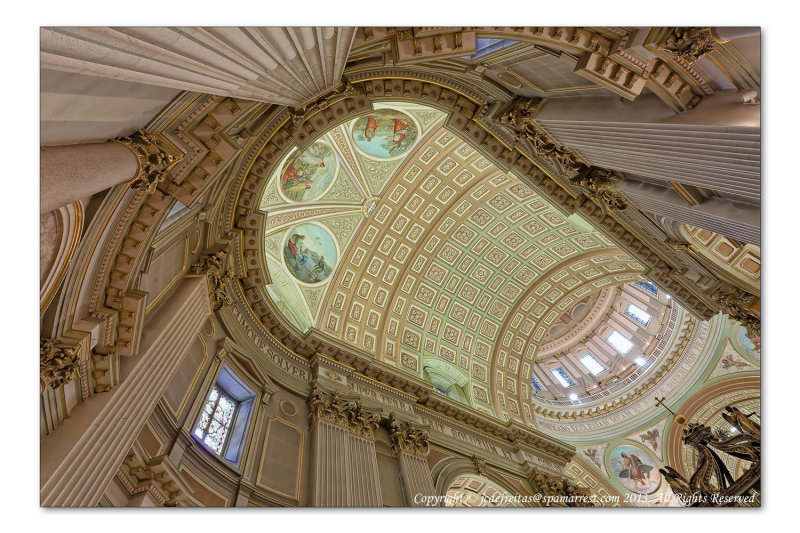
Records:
x=689, y=44
x=559, y=490
x=407, y=439
x=480, y=465
x=154, y=161
x=218, y=270
x=601, y=184
x=677, y=245
x=57, y=365
x=345, y=413
x=712, y=484
x=519, y=119
x=736, y=304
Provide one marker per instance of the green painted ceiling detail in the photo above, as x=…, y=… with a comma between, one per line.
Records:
x=330, y=183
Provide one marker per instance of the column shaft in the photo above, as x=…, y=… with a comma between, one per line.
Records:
x=83, y=474
x=416, y=477
x=70, y=173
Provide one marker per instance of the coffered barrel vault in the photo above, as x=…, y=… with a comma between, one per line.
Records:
x=438, y=266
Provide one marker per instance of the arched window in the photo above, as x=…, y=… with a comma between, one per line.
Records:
x=536, y=384
x=647, y=286
x=592, y=364
x=620, y=343
x=562, y=377
x=223, y=422
x=638, y=315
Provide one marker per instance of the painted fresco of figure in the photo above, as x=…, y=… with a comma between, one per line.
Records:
x=394, y=131
x=305, y=251
x=308, y=174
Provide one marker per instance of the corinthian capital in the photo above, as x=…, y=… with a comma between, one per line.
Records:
x=407, y=439
x=154, y=160
x=520, y=120
x=736, y=303
x=57, y=365
x=347, y=414
x=601, y=184
x=689, y=44
x=218, y=269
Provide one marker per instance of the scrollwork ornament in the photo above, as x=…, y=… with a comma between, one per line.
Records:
x=58, y=365
x=154, y=161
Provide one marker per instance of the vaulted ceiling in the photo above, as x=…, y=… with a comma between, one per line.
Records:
x=441, y=258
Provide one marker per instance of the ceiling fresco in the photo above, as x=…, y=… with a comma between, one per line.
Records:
x=435, y=256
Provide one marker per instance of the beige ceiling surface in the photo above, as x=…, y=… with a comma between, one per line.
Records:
x=457, y=263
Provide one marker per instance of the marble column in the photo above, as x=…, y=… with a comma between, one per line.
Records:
x=329, y=464
x=411, y=447
x=365, y=486
x=70, y=173
x=89, y=449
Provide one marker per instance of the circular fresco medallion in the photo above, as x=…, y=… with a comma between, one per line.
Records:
x=309, y=253
x=753, y=349
x=384, y=133
x=635, y=470
x=307, y=174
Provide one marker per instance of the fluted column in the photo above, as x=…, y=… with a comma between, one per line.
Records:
x=90, y=463
x=411, y=446
x=72, y=172
x=279, y=65
x=344, y=466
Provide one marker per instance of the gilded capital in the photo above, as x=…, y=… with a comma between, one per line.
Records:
x=407, y=439
x=57, y=365
x=348, y=414
x=520, y=120
x=689, y=44
x=154, y=160
x=736, y=303
x=560, y=490
x=218, y=269
x=601, y=185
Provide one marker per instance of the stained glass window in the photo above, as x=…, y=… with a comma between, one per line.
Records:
x=620, y=343
x=649, y=287
x=562, y=377
x=536, y=384
x=638, y=315
x=592, y=364
x=215, y=421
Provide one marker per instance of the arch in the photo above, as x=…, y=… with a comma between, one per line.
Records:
x=447, y=471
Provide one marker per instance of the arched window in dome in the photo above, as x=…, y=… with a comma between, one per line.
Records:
x=562, y=377
x=447, y=381
x=647, y=286
x=619, y=342
x=536, y=384
x=640, y=316
x=592, y=364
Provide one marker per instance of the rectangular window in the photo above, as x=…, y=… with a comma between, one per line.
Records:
x=536, y=384
x=620, y=343
x=215, y=421
x=563, y=377
x=592, y=364
x=647, y=286
x=638, y=315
